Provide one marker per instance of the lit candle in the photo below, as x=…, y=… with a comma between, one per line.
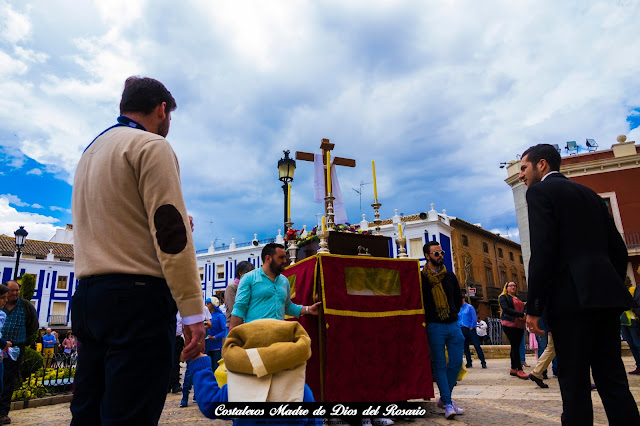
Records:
x=324, y=223
x=375, y=186
x=400, y=230
x=328, y=172
x=289, y=201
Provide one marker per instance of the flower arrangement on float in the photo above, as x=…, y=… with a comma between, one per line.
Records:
x=343, y=227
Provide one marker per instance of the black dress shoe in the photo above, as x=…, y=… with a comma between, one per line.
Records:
x=5, y=420
x=544, y=376
x=469, y=366
x=538, y=382
x=176, y=389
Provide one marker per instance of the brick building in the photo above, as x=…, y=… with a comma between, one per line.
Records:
x=486, y=261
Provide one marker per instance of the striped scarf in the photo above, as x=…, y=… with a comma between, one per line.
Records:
x=439, y=296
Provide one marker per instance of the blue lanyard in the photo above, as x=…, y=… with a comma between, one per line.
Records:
x=122, y=121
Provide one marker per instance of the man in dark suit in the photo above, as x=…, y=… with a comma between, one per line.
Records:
x=578, y=262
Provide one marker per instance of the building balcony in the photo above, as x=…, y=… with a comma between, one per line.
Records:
x=479, y=291
x=58, y=320
x=493, y=293
x=632, y=240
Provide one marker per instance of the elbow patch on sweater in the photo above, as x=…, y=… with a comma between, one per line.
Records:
x=171, y=233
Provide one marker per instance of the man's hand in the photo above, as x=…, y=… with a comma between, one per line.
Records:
x=194, y=340
x=534, y=325
x=315, y=308
x=9, y=344
x=234, y=322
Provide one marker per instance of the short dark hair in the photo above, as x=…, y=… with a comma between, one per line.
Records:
x=426, y=249
x=243, y=267
x=3, y=289
x=270, y=250
x=546, y=151
x=144, y=94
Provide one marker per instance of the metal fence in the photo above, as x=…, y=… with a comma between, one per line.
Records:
x=45, y=377
x=494, y=331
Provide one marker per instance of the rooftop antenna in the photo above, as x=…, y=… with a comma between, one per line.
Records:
x=359, y=191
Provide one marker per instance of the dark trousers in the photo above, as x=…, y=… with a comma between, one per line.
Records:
x=592, y=340
x=471, y=337
x=174, y=381
x=514, y=335
x=11, y=370
x=126, y=328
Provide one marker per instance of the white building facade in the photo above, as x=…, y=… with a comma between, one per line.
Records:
x=56, y=281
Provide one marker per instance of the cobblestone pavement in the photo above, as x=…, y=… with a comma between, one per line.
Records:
x=489, y=396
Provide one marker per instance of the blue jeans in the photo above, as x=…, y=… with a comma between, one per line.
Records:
x=471, y=337
x=523, y=350
x=187, y=384
x=215, y=355
x=445, y=374
x=632, y=337
x=542, y=345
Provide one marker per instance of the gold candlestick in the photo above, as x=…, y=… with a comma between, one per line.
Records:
x=400, y=242
x=330, y=222
x=377, y=220
x=292, y=247
x=324, y=246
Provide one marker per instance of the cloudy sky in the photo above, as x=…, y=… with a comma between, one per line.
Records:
x=437, y=93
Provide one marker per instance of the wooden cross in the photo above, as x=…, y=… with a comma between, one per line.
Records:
x=326, y=146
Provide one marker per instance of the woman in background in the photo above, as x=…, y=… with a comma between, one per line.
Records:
x=513, y=322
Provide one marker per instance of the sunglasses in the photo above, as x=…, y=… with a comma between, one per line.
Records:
x=438, y=253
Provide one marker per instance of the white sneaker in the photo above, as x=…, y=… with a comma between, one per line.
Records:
x=458, y=410
x=449, y=411
x=455, y=407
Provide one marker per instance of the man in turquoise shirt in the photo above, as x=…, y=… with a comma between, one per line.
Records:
x=265, y=293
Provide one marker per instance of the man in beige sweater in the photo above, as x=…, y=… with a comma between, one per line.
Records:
x=135, y=261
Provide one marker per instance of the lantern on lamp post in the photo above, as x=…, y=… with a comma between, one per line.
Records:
x=286, y=168
x=21, y=237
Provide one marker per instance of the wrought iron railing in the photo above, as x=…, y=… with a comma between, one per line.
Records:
x=494, y=331
x=45, y=376
x=58, y=320
x=493, y=293
x=632, y=239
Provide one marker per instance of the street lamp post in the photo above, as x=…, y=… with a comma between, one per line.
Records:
x=286, y=168
x=21, y=236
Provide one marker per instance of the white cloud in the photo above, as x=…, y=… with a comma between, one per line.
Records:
x=36, y=206
x=39, y=227
x=36, y=172
x=14, y=26
x=438, y=93
x=13, y=199
x=59, y=209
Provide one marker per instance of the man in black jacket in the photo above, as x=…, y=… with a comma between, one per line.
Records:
x=578, y=262
x=21, y=323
